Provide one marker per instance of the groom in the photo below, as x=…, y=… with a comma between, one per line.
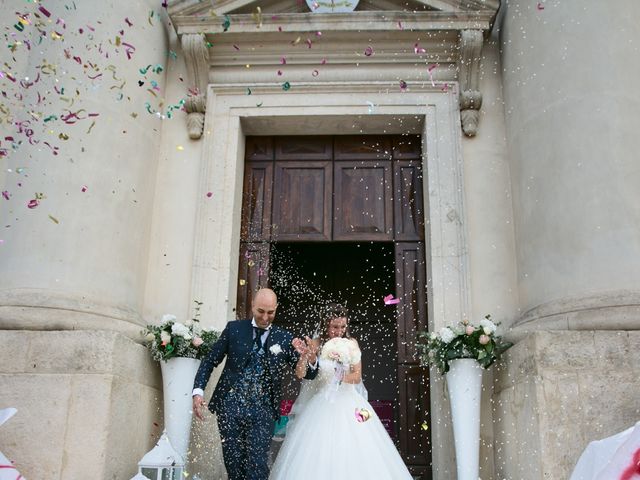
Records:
x=247, y=396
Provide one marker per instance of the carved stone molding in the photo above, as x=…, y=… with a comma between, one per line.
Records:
x=197, y=61
x=469, y=68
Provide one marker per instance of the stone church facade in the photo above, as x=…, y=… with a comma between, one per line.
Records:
x=526, y=116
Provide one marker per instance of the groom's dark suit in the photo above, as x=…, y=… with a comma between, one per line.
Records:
x=247, y=396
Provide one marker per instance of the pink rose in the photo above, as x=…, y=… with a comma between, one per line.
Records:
x=197, y=341
x=469, y=330
x=484, y=339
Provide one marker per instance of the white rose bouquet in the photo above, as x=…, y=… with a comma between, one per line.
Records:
x=462, y=341
x=341, y=350
x=175, y=339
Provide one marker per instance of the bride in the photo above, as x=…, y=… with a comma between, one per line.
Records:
x=334, y=432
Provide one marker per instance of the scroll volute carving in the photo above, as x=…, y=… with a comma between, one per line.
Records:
x=470, y=95
x=197, y=62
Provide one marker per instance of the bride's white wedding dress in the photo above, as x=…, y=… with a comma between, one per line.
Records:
x=326, y=441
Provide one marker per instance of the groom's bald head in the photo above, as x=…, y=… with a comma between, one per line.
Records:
x=263, y=307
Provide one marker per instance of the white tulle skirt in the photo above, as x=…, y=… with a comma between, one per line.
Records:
x=326, y=441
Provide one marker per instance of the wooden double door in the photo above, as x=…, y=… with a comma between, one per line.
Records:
x=306, y=190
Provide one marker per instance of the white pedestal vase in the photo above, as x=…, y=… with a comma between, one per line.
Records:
x=464, y=383
x=177, y=384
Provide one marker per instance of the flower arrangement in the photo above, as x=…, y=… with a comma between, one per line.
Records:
x=174, y=339
x=462, y=341
x=341, y=350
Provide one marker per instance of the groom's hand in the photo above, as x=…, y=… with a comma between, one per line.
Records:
x=198, y=402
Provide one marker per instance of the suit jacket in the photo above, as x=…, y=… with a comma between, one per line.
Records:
x=235, y=343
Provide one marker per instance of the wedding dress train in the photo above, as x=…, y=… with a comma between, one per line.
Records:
x=325, y=439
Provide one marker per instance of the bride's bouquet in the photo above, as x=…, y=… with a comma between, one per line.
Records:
x=341, y=350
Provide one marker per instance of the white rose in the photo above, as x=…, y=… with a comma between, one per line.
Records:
x=446, y=334
x=168, y=317
x=165, y=337
x=487, y=326
x=181, y=330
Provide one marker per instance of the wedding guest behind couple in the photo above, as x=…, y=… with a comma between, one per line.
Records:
x=335, y=433
x=247, y=396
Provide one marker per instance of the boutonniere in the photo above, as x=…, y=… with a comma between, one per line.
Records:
x=275, y=349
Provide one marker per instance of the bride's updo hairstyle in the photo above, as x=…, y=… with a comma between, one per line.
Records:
x=332, y=311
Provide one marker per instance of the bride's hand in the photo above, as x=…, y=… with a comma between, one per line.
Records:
x=300, y=346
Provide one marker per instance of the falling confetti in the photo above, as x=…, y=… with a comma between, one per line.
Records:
x=362, y=415
x=286, y=86
x=389, y=300
x=54, y=219
x=368, y=51
x=209, y=194
x=226, y=23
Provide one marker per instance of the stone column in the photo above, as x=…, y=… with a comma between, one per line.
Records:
x=569, y=75
x=78, y=174
x=78, y=259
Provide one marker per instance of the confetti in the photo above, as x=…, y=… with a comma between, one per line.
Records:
x=540, y=6
x=259, y=104
x=226, y=23
x=6, y=195
x=362, y=415
x=389, y=300
x=257, y=17
x=368, y=51
x=83, y=189
x=418, y=49
x=209, y=194
x=371, y=107
x=315, y=73
x=242, y=282
x=248, y=91
x=180, y=148
x=424, y=426
x=44, y=11
x=286, y=86
x=403, y=85
x=54, y=219
x=283, y=60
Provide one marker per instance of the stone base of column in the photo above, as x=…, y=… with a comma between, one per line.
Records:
x=89, y=403
x=42, y=309
x=556, y=391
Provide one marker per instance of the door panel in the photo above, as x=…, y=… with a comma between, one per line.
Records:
x=362, y=201
x=411, y=290
x=414, y=413
x=302, y=201
x=362, y=147
x=407, y=201
x=304, y=148
x=252, y=274
x=256, y=202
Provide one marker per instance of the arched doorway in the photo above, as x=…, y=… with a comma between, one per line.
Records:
x=341, y=218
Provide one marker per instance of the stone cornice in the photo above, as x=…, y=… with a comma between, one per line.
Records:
x=455, y=34
x=365, y=21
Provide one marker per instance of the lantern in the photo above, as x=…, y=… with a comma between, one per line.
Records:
x=162, y=462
